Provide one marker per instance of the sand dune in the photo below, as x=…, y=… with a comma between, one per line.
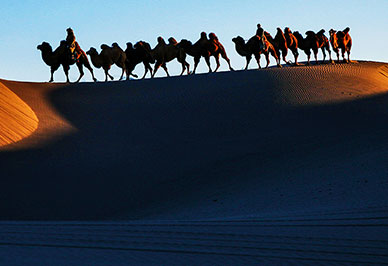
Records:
x=17, y=120
x=209, y=166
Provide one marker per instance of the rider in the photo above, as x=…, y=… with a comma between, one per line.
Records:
x=74, y=47
x=260, y=33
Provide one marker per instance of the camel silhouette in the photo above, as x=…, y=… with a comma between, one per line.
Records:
x=108, y=57
x=136, y=54
x=62, y=56
x=206, y=48
x=324, y=44
x=341, y=40
x=164, y=53
x=254, y=47
x=292, y=43
x=279, y=43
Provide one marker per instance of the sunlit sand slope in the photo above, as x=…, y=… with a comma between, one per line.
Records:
x=17, y=120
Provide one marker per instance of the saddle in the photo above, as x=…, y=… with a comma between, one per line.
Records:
x=73, y=52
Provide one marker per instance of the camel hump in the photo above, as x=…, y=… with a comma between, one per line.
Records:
x=104, y=46
x=172, y=41
x=310, y=33
x=321, y=32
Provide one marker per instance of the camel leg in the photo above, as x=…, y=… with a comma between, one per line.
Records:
x=184, y=65
x=66, y=70
x=146, y=68
x=165, y=69
x=223, y=55
x=316, y=57
x=308, y=57
x=53, y=69
x=207, y=59
x=338, y=56
x=122, y=74
x=348, y=52
x=296, y=55
x=157, y=65
x=328, y=50
x=343, y=55
x=107, y=74
x=248, y=58
x=196, y=62
x=89, y=67
x=267, y=59
x=217, y=57
x=81, y=71
x=284, y=54
x=324, y=54
x=257, y=57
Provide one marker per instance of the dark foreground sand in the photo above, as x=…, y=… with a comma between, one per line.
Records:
x=272, y=166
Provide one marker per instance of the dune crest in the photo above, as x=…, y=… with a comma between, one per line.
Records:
x=17, y=119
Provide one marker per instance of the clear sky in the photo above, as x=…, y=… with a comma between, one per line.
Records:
x=25, y=24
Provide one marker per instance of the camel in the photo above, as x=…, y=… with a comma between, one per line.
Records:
x=341, y=40
x=206, y=48
x=62, y=56
x=119, y=58
x=307, y=44
x=216, y=49
x=280, y=43
x=292, y=43
x=323, y=43
x=138, y=53
x=164, y=53
x=107, y=57
x=254, y=46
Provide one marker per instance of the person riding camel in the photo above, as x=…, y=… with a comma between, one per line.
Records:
x=75, y=49
x=260, y=33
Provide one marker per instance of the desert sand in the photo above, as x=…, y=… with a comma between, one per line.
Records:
x=262, y=166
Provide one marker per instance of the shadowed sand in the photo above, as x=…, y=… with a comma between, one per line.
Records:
x=277, y=149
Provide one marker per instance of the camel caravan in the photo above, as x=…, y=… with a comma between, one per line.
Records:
x=262, y=43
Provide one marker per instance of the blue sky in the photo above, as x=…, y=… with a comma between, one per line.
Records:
x=25, y=24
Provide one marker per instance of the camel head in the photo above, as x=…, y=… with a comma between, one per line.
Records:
x=161, y=40
x=203, y=35
x=346, y=31
x=129, y=45
x=238, y=40
x=92, y=51
x=212, y=36
x=279, y=30
x=332, y=32
x=287, y=30
x=44, y=46
x=115, y=44
x=172, y=40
